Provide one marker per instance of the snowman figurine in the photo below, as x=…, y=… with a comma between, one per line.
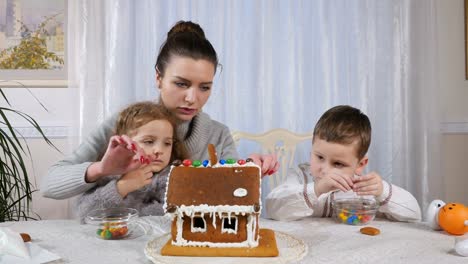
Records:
x=432, y=214
x=447, y=220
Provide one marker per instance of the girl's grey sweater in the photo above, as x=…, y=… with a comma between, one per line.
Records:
x=148, y=200
x=66, y=178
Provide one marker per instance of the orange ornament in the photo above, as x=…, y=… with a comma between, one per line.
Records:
x=453, y=218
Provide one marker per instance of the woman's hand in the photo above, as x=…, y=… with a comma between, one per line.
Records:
x=136, y=179
x=122, y=155
x=267, y=162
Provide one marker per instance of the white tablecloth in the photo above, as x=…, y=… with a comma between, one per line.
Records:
x=327, y=241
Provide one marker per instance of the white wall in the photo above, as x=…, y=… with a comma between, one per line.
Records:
x=43, y=157
x=451, y=41
x=55, y=122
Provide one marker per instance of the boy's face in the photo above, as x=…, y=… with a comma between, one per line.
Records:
x=328, y=157
x=155, y=138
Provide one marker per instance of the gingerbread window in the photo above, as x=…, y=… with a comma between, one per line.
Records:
x=198, y=224
x=229, y=225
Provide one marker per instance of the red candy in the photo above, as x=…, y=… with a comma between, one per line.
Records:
x=113, y=231
x=241, y=162
x=187, y=162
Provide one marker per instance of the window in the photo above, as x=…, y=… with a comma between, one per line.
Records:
x=229, y=225
x=198, y=224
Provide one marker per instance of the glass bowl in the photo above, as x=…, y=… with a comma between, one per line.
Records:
x=112, y=223
x=354, y=211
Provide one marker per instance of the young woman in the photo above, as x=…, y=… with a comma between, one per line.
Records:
x=185, y=69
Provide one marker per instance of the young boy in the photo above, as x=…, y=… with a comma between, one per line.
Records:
x=148, y=127
x=341, y=139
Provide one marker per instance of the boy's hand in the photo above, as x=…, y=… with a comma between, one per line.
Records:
x=369, y=184
x=135, y=179
x=333, y=181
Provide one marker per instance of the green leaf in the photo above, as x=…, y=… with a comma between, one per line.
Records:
x=16, y=188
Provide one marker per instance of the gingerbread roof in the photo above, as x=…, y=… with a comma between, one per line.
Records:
x=214, y=186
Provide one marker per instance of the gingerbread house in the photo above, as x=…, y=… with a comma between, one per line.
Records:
x=214, y=205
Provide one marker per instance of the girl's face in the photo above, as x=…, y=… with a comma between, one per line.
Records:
x=186, y=86
x=155, y=138
x=328, y=157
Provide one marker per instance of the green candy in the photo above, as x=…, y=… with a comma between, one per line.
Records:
x=98, y=232
x=107, y=234
x=196, y=163
x=230, y=161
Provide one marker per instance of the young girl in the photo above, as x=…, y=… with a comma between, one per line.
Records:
x=185, y=69
x=154, y=131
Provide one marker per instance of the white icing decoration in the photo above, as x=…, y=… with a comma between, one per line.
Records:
x=240, y=192
x=236, y=209
x=247, y=164
x=249, y=242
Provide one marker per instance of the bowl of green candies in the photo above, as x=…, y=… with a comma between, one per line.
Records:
x=113, y=223
x=354, y=211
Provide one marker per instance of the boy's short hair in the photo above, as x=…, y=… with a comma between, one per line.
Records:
x=344, y=124
x=141, y=113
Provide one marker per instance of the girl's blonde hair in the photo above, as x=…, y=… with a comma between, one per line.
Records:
x=141, y=113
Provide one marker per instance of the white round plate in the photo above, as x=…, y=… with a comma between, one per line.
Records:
x=291, y=249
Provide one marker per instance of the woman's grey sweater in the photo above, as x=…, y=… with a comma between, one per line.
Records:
x=66, y=178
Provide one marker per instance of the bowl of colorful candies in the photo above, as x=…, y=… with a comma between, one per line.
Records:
x=113, y=223
x=354, y=211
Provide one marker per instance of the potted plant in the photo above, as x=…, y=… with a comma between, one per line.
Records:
x=16, y=187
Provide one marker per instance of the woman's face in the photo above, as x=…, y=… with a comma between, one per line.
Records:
x=186, y=86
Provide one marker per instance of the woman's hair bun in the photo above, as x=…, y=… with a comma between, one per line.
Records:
x=184, y=27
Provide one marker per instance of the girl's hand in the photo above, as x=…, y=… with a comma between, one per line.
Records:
x=122, y=155
x=267, y=162
x=135, y=179
x=333, y=181
x=370, y=184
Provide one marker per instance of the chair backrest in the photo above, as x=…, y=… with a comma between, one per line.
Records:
x=281, y=142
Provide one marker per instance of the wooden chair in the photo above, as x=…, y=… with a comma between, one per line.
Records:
x=281, y=142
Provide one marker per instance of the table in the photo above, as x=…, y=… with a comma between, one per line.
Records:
x=327, y=241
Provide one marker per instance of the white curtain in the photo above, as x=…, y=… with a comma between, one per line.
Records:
x=284, y=64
